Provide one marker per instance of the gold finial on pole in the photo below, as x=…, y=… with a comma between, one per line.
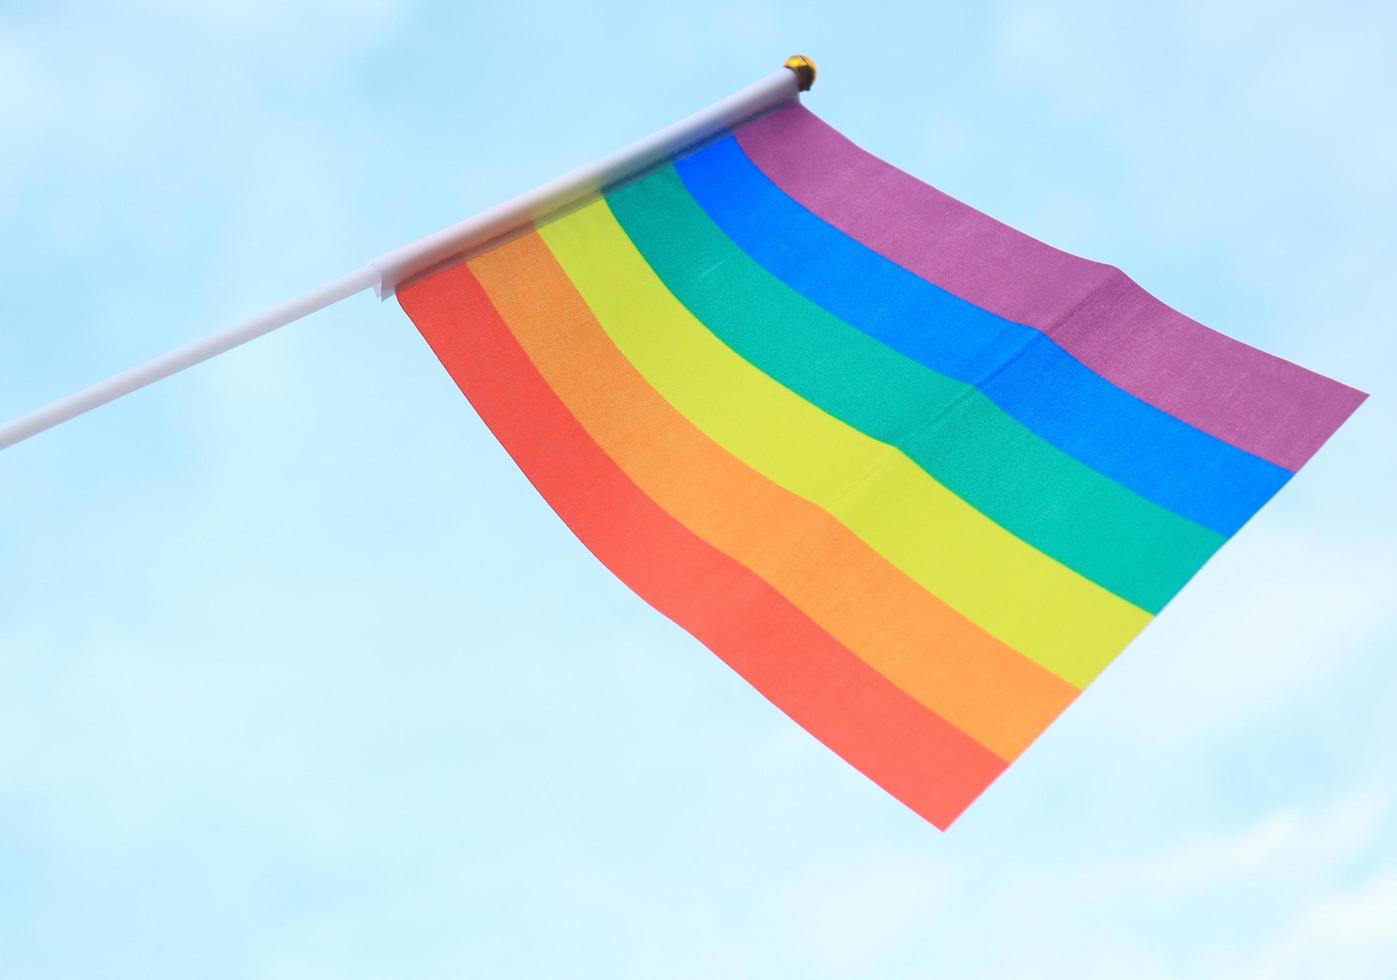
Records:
x=804, y=69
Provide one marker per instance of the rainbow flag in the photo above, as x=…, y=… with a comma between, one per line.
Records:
x=914, y=475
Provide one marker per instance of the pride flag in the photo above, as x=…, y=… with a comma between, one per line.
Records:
x=914, y=475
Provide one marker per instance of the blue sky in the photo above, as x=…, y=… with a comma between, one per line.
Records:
x=299, y=679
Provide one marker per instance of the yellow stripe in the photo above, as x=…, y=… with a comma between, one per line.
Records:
x=1036, y=605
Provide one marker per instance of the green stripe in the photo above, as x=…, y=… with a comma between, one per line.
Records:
x=1123, y=542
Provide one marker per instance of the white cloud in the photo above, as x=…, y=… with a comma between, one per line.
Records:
x=74, y=96
x=1278, y=610
x=1340, y=932
x=1283, y=845
x=848, y=920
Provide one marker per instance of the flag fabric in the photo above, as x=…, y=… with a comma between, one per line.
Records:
x=916, y=476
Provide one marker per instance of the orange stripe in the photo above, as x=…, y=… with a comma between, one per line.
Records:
x=926, y=763
x=1001, y=699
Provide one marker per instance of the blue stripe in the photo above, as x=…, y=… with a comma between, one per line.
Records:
x=1159, y=457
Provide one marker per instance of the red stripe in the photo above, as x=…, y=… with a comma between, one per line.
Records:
x=928, y=764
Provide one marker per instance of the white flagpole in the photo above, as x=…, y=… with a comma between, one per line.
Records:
x=384, y=273
x=180, y=358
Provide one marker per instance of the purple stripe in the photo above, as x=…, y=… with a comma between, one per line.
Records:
x=1257, y=402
